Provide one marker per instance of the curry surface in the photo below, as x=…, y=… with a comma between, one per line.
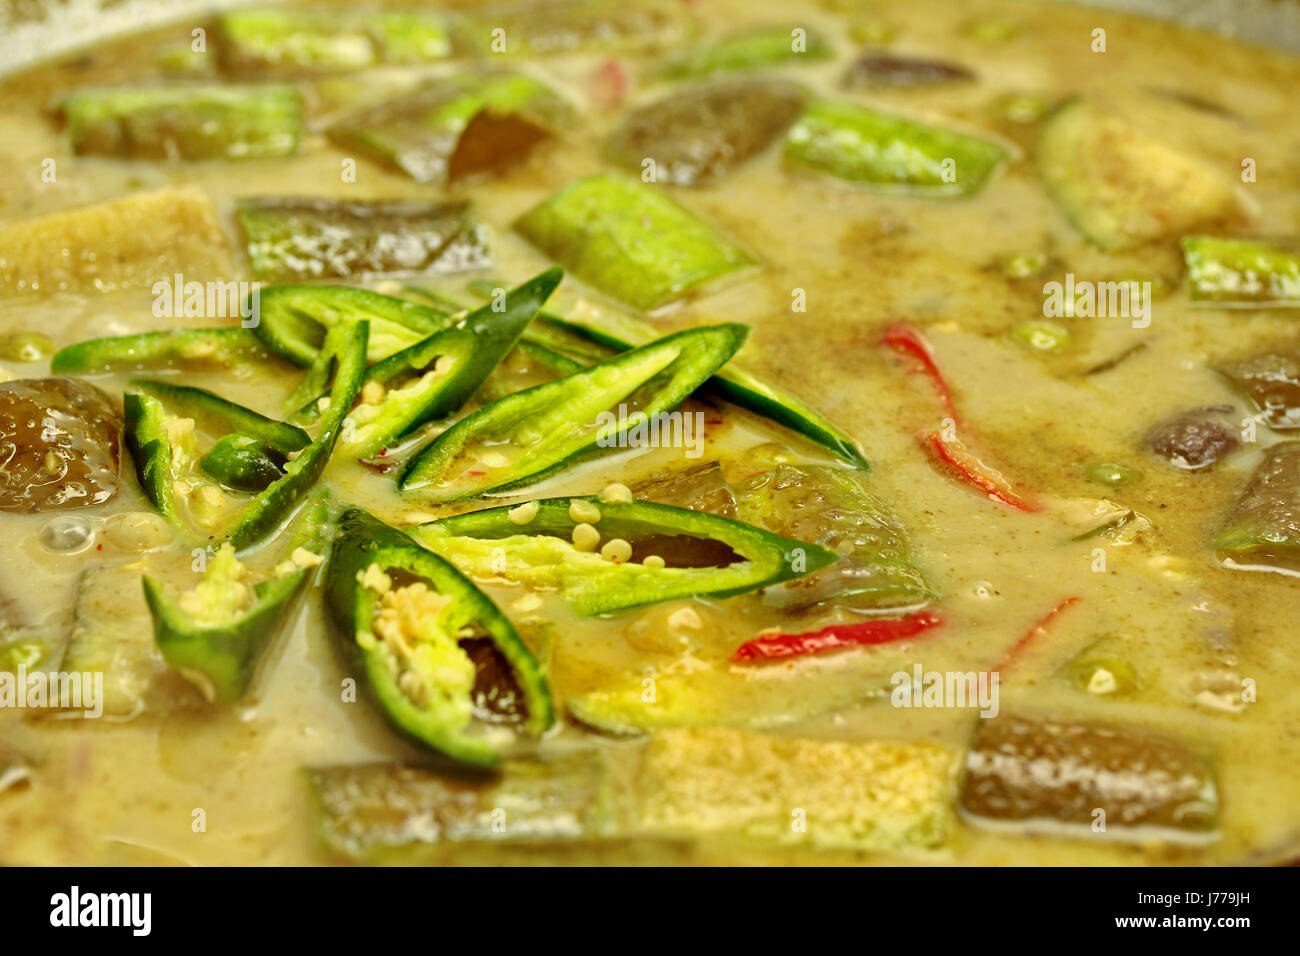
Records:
x=126, y=792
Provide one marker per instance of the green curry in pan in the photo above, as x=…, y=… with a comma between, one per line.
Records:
x=651, y=432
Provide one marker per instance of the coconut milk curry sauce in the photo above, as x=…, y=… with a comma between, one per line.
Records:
x=981, y=549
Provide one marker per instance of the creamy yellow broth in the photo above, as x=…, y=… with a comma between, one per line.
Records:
x=114, y=792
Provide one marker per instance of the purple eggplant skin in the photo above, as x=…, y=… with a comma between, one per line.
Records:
x=1271, y=381
x=888, y=71
x=1194, y=440
x=1263, y=529
x=1101, y=780
x=700, y=135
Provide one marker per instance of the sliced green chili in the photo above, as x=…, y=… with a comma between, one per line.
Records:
x=149, y=408
x=293, y=320
x=439, y=658
x=264, y=514
x=696, y=554
x=730, y=383
x=243, y=463
x=225, y=415
x=224, y=346
x=521, y=438
x=629, y=241
x=215, y=633
x=438, y=375
x=891, y=152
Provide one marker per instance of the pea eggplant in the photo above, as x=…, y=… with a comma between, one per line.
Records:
x=439, y=659
x=216, y=632
x=651, y=552
x=522, y=438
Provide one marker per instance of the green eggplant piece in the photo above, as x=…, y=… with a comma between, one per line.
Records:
x=1119, y=187
x=891, y=153
x=185, y=122
x=545, y=27
x=698, y=136
x=629, y=241
x=1246, y=273
x=453, y=129
x=295, y=239
x=1272, y=382
x=1262, y=532
x=260, y=43
x=393, y=814
x=835, y=508
x=751, y=50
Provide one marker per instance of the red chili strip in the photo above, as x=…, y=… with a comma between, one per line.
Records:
x=609, y=84
x=906, y=340
x=836, y=636
x=954, y=453
x=1038, y=630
